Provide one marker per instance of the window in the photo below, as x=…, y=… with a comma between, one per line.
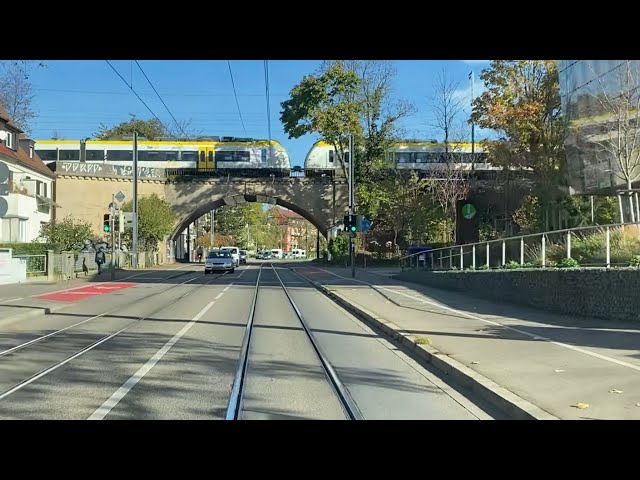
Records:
x=48, y=155
x=422, y=157
x=69, y=154
x=9, y=140
x=331, y=154
x=44, y=190
x=30, y=151
x=233, y=156
x=38, y=187
x=403, y=157
x=189, y=156
x=119, y=155
x=157, y=155
x=95, y=155
x=346, y=157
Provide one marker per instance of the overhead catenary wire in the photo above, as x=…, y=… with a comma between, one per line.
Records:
x=136, y=94
x=159, y=97
x=266, y=83
x=233, y=84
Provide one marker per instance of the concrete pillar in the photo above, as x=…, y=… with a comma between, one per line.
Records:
x=51, y=276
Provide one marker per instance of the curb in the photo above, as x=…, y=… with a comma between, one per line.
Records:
x=506, y=401
x=41, y=311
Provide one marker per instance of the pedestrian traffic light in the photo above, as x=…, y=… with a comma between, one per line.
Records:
x=106, y=224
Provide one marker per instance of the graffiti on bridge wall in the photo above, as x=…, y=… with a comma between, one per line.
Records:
x=102, y=170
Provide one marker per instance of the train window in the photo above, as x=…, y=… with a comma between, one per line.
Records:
x=346, y=157
x=48, y=155
x=70, y=154
x=263, y=154
x=119, y=155
x=421, y=157
x=95, y=154
x=403, y=157
x=210, y=159
x=189, y=156
x=157, y=155
x=331, y=153
x=233, y=156
x=202, y=157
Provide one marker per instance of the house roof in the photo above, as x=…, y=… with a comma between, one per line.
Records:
x=284, y=213
x=4, y=115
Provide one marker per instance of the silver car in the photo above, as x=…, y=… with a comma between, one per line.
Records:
x=219, y=260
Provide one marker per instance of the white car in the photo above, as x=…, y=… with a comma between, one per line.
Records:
x=235, y=254
x=218, y=260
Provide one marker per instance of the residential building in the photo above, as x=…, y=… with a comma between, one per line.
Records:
x=294, y=229
x=30, y=185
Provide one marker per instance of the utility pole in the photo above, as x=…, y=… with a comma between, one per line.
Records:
x=473, y=139
x=134, y=246
x=213, y=218
x=113, y=236
x=352, y=244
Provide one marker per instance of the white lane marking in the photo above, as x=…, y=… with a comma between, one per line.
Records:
x=58, y=365
x=528, y=334
x=13, y=300
x=219, y=295
x=107, y=406
x=35, y=340
x=225, y=288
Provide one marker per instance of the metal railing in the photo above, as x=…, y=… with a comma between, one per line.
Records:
x=590, y=246
x=36, y=264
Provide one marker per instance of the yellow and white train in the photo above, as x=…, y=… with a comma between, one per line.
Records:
x=239, y=156
x=405, y=155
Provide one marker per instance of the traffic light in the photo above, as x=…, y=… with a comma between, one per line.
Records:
x=4, y=188
x=353, y=223
x=106, y=224
x=116, y=222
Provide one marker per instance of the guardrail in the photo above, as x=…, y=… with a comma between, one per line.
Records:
x=591, y=246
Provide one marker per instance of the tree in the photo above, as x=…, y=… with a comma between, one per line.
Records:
x=620, y=128
x=156, y=220
x=16, y=92
x=522, y=103
x=67, y=234
x=151, y=129
x=446, y=106
x=326, y=104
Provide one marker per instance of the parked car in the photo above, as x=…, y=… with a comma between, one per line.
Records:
x=243, y=256
x=219, y=260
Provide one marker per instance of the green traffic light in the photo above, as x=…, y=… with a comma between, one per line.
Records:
x=353, y=228
x=106, y=228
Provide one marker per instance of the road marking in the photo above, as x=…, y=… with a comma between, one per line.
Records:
x=13, y=299
x=107, y=406
x=528, y=334
x=58, y=365
x=225, y=288
x=219, y=295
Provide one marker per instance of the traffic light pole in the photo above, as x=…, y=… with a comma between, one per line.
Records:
x=113, y=236
x=352, y=245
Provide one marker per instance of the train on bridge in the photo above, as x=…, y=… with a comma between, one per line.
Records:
x=235, y=156
x=206, y=156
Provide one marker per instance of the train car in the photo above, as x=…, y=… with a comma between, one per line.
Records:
x=419, y=155
x=213, y=155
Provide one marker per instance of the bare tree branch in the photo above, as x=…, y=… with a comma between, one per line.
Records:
x=445, y=105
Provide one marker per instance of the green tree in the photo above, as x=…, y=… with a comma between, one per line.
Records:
x=151, y=129
x=156, y=220
x=325, y=103
x=16, y=91
x=67, y=234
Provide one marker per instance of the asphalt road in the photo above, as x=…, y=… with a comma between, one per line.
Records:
x=170, y=349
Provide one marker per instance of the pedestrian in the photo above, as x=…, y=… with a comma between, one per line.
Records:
x=199, y=254
x=100, y=259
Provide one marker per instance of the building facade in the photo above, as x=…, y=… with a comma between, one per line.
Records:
x=30, y=183
x=600, y=99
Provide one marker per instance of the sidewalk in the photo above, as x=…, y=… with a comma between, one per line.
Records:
x=18, y=300
x=530, y=363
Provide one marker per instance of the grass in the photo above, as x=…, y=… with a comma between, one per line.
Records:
x=422, y=340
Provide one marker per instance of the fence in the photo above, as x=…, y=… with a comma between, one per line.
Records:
x=36, y=264
x=611, y=245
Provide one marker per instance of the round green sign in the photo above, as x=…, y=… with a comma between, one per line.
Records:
x=468, y=211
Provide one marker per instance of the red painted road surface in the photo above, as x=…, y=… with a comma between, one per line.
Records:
x=81, y=293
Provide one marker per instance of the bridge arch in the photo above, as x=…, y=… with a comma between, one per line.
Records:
x=231, y=200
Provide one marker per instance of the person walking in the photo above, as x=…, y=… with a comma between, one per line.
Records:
x=100, y=259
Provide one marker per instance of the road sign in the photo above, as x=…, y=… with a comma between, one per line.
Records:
x=366, y=224
x=468, y=211
x=120, y=197
x=128, y=220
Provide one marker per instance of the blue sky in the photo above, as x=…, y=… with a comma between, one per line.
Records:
x=75, y=96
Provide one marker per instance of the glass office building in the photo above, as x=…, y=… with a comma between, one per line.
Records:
x=585, y=87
